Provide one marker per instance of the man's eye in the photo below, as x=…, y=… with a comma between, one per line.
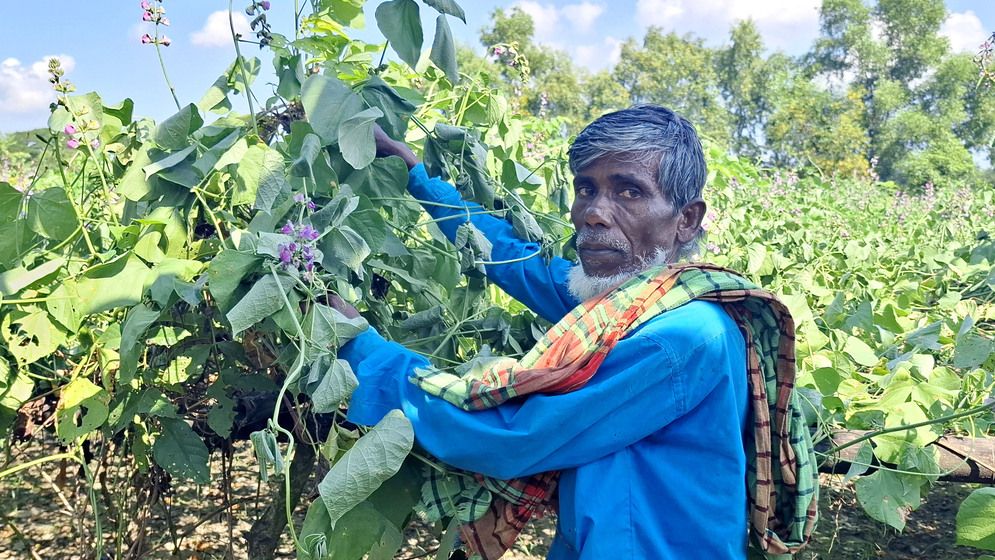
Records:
x=630, y=193
x=584, y=192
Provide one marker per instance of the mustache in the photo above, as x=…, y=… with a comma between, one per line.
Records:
x=595, y=238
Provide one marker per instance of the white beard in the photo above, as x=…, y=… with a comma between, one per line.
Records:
x=584, y=287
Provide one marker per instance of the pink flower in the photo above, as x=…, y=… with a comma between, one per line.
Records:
x=70, y=129
x=94, y=144
x=264, y=4
x=165, y=41
x=147, y=16
x=72, y=143
x=164, y=21
x=145, y=5
x=498, y=51
x=146, y=39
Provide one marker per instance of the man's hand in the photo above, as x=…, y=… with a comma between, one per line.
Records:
x=342, y=307
x=387, y=146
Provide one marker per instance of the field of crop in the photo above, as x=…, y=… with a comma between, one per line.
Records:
x=164, y=300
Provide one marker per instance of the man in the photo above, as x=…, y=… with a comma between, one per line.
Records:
x=651, y=443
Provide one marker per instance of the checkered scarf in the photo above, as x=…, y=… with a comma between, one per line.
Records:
x=782, y=477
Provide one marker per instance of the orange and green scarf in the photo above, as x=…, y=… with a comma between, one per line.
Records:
x=782, y=477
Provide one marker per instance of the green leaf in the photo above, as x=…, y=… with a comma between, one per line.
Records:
x=225, y=273
x=118, y=283
x=51, y=214
x=397, y=109
x=444, y=49
x=301, y=166
x=262, y=179
x=399, y=22
x=889, y=497
x=861, y=462
x=173, y=133
x=976, y=520
x=327, y=328
x=335, y=212
x=356, y=138
x=138, y=320
x=181, y=452
x=82, y=408
x=13, y=281
x=371, y=226
x=30, y=335
x=362, y=533
x=327, y=102
x=384, y=177
x=171, y=160
x=860, y=352
x=344, y=245
x=447, y=7
x=971, y=350
x=331, y=386
x=15, y=390
x=264, y=299
x=373, y=459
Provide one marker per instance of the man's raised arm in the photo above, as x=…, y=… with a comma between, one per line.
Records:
x=527, y=277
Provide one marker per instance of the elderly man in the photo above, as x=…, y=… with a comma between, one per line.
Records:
x=647, y=423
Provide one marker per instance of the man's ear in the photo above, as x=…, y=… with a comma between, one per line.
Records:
x=689, y=220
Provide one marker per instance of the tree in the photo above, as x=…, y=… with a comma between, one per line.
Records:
x=677, y=72
x=743, y=82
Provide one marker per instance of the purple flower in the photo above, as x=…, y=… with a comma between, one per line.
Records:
x=309, y=267
x=146, y=39
x=308, y=233
x=286, y=255
x=311, y=205
x=70, y=129
x=288, y=228
x=72, y=144
x=145, y=4
x=713, y=248
x=265, y=4
x=299, y=198
x=94, y=144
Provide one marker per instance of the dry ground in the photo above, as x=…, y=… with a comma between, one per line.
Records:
x=39, y=519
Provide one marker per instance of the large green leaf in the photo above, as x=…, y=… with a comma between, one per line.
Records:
x=971, y=350
x=15, y=389
x=262, y=178
x=327, y=328
x=356, y=138
x=173, y=133
x=374, y=458
x=327, y=102
x=138, y=320
x=399, y=22
x=15, y=280
x=976, y=520
x=860, y=352
x=384, y=177
x=181, y=452
x=30, y=335
x=331, y=385
x=344, y=245
x=225, y=273
x=82, y=408
x=447, y=7
x=444, y=49
x=362, y=533
x=264, y=299
x=51, y=214
x=889, y=497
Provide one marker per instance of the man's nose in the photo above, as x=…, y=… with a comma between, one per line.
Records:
x=598, y=212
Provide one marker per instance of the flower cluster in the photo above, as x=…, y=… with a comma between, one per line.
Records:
x=76, y=138
x=299, y=253
x=984, y=60
x=55, y=73
x=303, y=200
x=259, y=8
x=153, y=12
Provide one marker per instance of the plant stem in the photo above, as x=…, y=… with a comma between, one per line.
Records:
x=241, y=68
x=162, y=65
x=941, y=419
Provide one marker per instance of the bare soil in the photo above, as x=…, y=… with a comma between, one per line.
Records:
x=44, y=514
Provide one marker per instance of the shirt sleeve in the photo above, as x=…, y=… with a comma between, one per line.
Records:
x=540, y=285
x=647, y=381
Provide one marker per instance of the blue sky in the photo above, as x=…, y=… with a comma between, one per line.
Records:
x=99, y=41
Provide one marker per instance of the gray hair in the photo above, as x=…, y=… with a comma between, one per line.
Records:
x=649, y=131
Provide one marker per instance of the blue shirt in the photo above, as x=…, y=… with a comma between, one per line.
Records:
x=651, y=449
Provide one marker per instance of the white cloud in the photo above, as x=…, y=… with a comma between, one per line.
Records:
x=786, y=24
x=582, y=15
x=544, y=16
x=598, y=56
x=552, y=23
x=965, y=31
x=217, y=33
x=25, y=89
